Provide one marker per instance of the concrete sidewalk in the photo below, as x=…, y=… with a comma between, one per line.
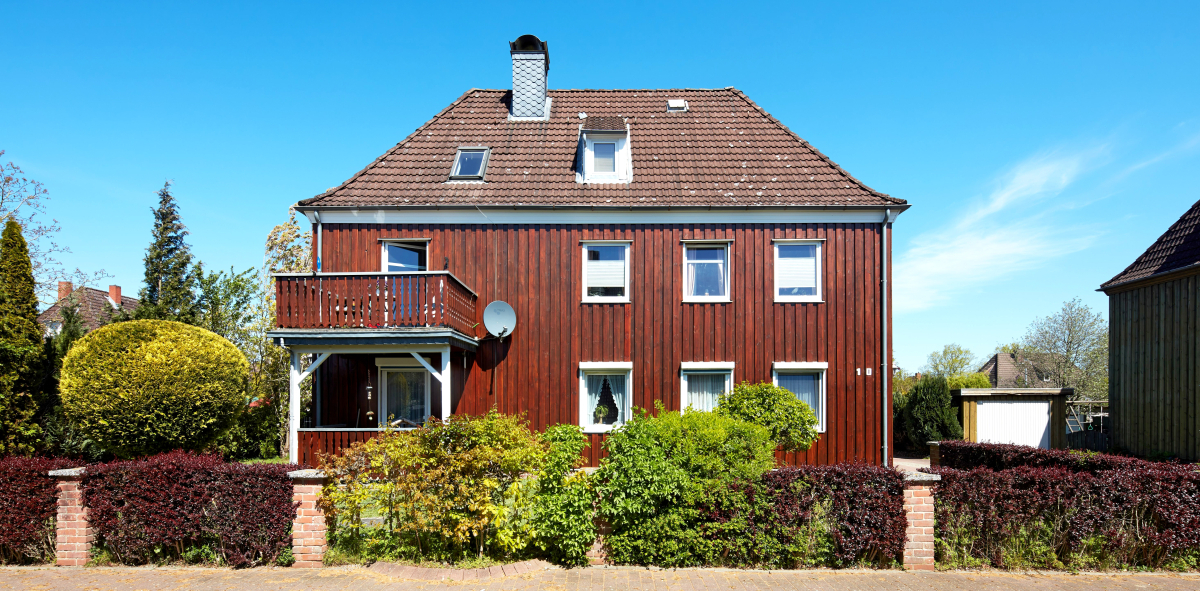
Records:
x=589, y=579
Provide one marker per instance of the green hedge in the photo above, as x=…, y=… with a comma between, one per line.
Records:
x=147, y=386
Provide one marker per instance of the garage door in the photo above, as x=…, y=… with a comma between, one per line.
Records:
x=1021, y=423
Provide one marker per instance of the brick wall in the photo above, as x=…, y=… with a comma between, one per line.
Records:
x=918, y=506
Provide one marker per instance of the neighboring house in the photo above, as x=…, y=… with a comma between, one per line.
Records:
x=95, y=306
x=1153, y=350
x=1005, y=370
x=657, y=245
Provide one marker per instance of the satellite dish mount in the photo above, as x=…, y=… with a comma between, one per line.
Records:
x=499, y=319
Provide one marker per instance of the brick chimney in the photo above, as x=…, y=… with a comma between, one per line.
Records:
x=64, y=289
x=530, y=66
x=114, y=294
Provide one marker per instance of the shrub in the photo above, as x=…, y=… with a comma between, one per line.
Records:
x=147, y=386
x=174, y=505
x=1053, y=517
x=928, y=415
x=971, y=380
x=28, y=505
x=965, y=455
x=439, y=489
x=563, y=512
x=791, y=422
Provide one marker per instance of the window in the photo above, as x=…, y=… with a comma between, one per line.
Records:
x=797, y=270
x=706, y=272
x=403, y=257
x=606, y=271
x=677, y=106
x=469, y=164
x=403, y=393
x=604, y=396
x=702, y=383
x=807, y=381
x=606, y=157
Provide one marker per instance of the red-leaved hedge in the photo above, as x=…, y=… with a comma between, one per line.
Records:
x=866, y=504
x=965, y=455
x=153, y=509
x=1062, y=517
x=28, y=504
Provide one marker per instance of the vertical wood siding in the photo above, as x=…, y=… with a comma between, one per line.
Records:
x=537, y=269
x=1154, y=368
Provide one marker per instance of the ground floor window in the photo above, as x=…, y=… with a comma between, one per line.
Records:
x=604, y=395
x=807, y=381
x=703, y=383
x=404, y=393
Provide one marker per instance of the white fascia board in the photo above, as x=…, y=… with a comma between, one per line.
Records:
x=686, y=365
x=785, y=365
x=590, y=365
x=519, y=215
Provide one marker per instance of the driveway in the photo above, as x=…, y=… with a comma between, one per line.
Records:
x=589, y=579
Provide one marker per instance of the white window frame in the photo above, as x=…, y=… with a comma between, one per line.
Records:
x=820, y=368
x=725, y=244
x=487, y=155
x=583, y=247
x=422, y=243
x=687, y=368
x=609, y=368
x=386, y=364
x=623, y=164
x=820, y=295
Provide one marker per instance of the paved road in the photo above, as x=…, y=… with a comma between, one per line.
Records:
x=589, y=579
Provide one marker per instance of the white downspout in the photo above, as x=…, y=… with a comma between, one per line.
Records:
x=885, y=373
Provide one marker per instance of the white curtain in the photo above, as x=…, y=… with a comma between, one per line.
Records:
x=706, y=271
x=595, y=391
x=704, y=388
x=806, y=387
x=406, y=396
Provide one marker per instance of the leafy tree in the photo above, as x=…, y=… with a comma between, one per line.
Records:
x=792, y=423
x=169, y=293
x=970, y=380
x=23, y=200
x=928, y=415
x=952, y=360
x=20, y=345
x=228, y=304
x=1068, y=349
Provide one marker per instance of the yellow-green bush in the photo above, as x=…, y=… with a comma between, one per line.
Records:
x=147, y=386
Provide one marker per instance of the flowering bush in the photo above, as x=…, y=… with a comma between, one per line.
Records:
x=964, y=455
x=1058, y=517
x=165, y=507
x=28, y=504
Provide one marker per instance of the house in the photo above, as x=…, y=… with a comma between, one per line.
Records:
x=656, y=245
x=1007, y=370
x=95, y=306
x=1153, y=349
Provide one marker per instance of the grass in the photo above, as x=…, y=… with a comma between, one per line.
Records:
x=265, y=461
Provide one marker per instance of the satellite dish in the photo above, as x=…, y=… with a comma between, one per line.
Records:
x=499, y=319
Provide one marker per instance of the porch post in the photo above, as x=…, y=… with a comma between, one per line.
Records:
x=445, y=384
x=294, y=409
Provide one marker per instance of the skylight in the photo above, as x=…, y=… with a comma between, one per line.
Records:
x=469, y=164
x=677, y=106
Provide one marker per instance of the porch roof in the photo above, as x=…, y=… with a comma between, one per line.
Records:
x=371, y=337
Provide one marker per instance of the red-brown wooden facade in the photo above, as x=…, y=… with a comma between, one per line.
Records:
x=537, y=269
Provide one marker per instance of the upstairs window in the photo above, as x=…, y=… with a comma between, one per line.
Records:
x=403, y=257
x=797, y=270
x=606, y=271
x=470, y=164
x=706, y=272
x=605, y=156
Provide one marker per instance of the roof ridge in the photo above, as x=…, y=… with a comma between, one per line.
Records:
x=393, y=149
x=816, y=151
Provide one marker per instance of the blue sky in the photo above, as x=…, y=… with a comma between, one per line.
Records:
x=1043, y=145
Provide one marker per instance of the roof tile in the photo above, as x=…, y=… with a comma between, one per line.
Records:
x=1177, y=248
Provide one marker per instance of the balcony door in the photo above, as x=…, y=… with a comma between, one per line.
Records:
x=405, y=396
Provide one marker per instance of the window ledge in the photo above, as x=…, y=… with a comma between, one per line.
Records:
x=596, y=300
x=707, y=300
x=600, y=429
x=786, y=300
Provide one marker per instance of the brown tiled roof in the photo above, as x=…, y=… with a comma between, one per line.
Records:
x=94, y=307
x=1002, y=370
x=723, y=151
x=604, y=123
x=1177, y=248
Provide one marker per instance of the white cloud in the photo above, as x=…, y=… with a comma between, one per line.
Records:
x=994, y=240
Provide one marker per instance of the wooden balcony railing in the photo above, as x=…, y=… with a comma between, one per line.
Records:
x=374, y=300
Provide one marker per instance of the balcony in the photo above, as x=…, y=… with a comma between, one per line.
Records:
x=374, y=300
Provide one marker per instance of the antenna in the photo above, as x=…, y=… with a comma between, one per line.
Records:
x=499, y=319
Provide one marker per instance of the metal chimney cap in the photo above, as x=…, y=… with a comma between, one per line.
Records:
x=530, y=44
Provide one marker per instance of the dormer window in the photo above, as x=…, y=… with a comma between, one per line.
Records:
x=605, y=147
x=470, y=164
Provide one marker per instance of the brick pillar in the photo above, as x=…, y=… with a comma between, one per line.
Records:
x=72, y=535
x=596, y=555
x=918, y=507
x=308, y=528
x=935, y=453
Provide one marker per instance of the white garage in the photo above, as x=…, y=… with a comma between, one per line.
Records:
x=1022, y=416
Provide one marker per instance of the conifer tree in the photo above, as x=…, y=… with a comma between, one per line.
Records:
x=21, y=345
x=169, y=293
